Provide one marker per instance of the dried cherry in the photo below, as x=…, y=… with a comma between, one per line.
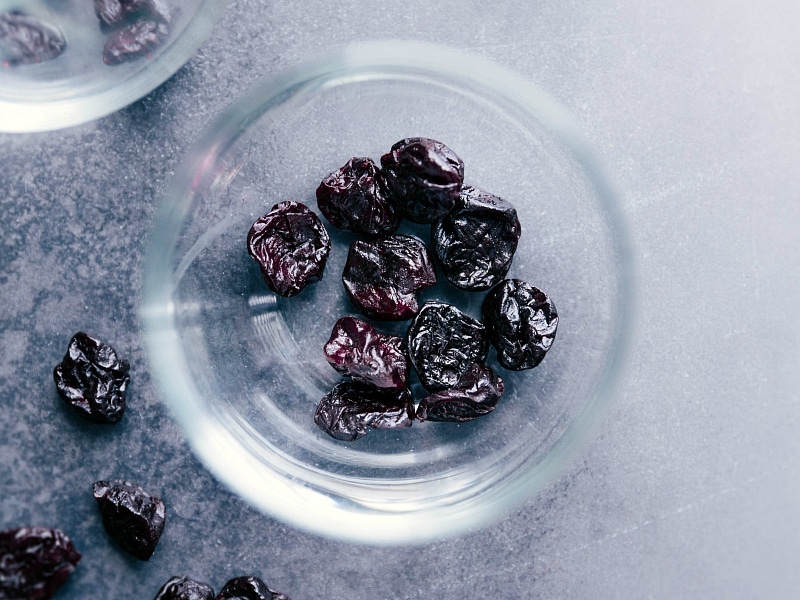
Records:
x=248, y=588
x=183, y=588
x=424, y=178
x=521, y=322
x=476, y=241
x=291, y=246
x=475, y=394
x=134, y=40
x=114, y=12
x=35, y=562
x=93, y=379
x=356, y=349
x=354, y=198
x=132, y=516
x=351, y=408
x=381, y=277
x=443, y=343
x=26, y=40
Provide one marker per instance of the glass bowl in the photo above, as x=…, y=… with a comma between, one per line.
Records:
x=77, y=86
x=243, y=369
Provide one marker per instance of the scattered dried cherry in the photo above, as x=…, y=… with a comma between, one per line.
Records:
x=382, y=276
x=443, y=343
x=424, y=178
x=354, y=198
x=356, y=349
x=521, y=323
x=132, y=516
x=291, y=246
x=475, y=394
x=35, y=562
x=26, y=40
x=93, y=379
x=353, y=407
x=476, y=241
x=134, y=40
x=248, y=588
x=183, y=588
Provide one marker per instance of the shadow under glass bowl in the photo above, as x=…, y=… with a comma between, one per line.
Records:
x=77, y=87
x=242, y=369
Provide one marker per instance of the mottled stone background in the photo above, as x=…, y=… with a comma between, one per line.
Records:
x=692, y=487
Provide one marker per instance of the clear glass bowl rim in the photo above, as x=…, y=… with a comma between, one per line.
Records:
x=51, y=115
x=273, y=490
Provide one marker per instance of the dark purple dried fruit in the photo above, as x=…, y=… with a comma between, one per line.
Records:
x=352, y=407
x=25, y=40
x=92, y=379
x=134, y=40
x=248, y=588
x=443, y=343
x=354, y=198
x=183, y=588
x=521, y=323
x=356, y=349
x=132, y=516
x=291, y=246
x=113, y=12
x=424, y=178
x=475, y=243
x=34, y=562
x=475, y=394
x=382, y=276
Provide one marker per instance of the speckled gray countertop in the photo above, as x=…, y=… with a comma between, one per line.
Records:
x=691, y=488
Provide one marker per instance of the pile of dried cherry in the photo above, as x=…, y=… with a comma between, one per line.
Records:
x=474, y=235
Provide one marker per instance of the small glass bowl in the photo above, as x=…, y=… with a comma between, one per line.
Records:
x=77, y=86
x=243, y=370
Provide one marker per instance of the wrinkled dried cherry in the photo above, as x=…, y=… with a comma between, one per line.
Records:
x=443, y=342
x=291, y=246
x=132, y=516
x=114, y=12
x=184, y=588
x=354, y=198
x=424, y=178
x=35, y=562
x=382, y=276
x=521, y=322
x=475, y=394
x=134, y=40
x=356, y=349
x=476, y=241
x=248, y=588
x=351, y=408
x=26, y=40
x=93, y=379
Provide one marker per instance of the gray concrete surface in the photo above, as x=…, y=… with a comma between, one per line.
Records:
x=692, y=487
